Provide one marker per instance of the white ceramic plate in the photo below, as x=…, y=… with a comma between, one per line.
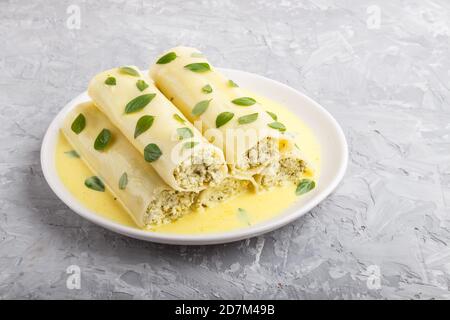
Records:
x=334, y=156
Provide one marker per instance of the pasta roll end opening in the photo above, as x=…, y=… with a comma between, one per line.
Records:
x=169, y=205
x=228, y=189
x=204, y=168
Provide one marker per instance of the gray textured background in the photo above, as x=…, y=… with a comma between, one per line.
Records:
x=388, y=85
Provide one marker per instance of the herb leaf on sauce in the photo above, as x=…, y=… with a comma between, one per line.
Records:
x=304, y=186
x=243, y=216
x=72, y=154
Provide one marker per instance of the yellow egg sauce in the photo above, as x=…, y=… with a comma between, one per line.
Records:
x=247, y=209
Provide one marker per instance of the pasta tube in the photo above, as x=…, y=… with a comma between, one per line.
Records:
x=135, y=184
x=176, y=150
x=249, y=136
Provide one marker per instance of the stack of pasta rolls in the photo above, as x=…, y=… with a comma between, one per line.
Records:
x=178, y=139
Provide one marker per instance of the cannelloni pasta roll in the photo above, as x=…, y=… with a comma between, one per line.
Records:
x=178, y=152
x=119, y=166
x=249, y=136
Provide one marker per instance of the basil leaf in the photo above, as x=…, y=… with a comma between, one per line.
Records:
x=190, y=144
x=94, y=183
x=123, y=181
x=278, y=126
x=143, y=124
x=197, y=55
x=141, y=85
x=102, y=139
x=223, y=118
x=184, y=133
x=110, y=81
x=273, y=115
x=207, y=89
x=78, y=124
x=72, y=154
x=152, y=152
x=139, y=102
x=178, y=118
x=167, y=58
x=304, y=186
x=248, y=118
x=200, y=107
x=244, y=101
x=232, y=84
x=198, y=67
x=130, y=71
x=243, y=216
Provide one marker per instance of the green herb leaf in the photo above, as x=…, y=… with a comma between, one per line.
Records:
x=198, y=67
x=110, y=81
x=78, y=124
x=244, y=101
x=273, y=115
x=223, y=118
x=207, y=89
x=200, y=107
x=184, y=133
x=139, y=102
x=141, y=85
x=277, y=125
x=304, y=186
x=152, y=152
x=178, y=118
x=190, y=144
x=94, y=183
x=143, y=124
x=130, y=71
x=243, y=216
x=232, y=84
x=167, y=58
x=248, y=118
x=123, y=181
x=72, y=154
x=102, y=139
x=197, y=55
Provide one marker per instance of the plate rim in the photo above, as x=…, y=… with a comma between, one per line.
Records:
x=47, y=158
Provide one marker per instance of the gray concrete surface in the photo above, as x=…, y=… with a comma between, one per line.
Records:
x=380, y=67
